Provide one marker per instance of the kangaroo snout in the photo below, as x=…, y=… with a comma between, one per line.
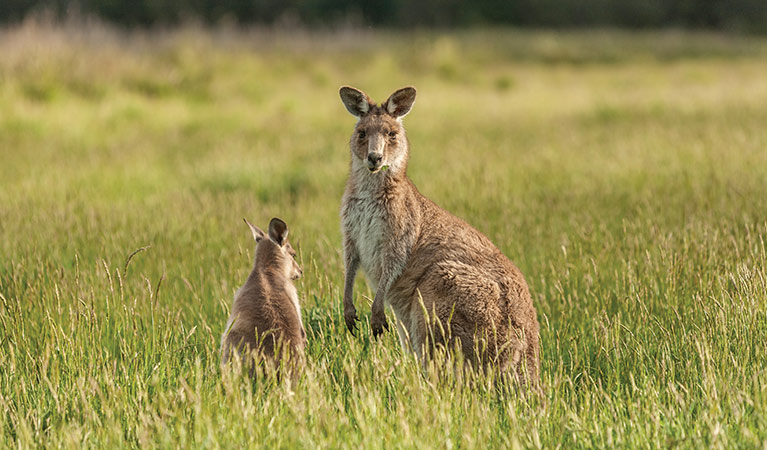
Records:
x=374, y=160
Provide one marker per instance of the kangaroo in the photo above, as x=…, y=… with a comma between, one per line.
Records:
x=421, y=260
x=266, y=318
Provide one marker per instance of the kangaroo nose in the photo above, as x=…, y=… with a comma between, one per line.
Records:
x=374, y=158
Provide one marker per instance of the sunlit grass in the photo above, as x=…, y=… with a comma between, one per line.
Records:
x=624, y=173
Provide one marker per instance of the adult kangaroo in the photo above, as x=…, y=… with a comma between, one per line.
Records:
x=421, y=260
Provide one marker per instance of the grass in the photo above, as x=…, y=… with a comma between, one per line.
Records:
x=624, y=173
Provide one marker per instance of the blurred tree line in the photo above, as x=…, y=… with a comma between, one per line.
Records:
x=740, y=15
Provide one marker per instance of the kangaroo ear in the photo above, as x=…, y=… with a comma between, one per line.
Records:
x=356, y=101
x=278, y=231
x=400, y=102
x=257, y=233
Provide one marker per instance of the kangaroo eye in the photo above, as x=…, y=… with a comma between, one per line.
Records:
x=362, y=134
x=392, y=135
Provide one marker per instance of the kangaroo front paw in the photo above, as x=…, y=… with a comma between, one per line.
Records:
x=350, y=317
x=378, y=324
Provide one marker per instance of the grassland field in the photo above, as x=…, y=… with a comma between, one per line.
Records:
x=624, y=173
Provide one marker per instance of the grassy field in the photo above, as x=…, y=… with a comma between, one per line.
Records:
x=625, y=174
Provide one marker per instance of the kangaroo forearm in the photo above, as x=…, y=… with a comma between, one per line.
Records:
x=387, y=280
x=378, y=316
x=352, y=265
x=378, y=303
x=349, y=288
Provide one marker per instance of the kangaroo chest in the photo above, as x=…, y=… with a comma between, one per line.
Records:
x=366, y=223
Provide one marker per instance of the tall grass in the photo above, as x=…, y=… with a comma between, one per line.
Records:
x=624, y=173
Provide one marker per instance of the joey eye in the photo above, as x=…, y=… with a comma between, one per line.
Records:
x=392, y=134
x=362, y=134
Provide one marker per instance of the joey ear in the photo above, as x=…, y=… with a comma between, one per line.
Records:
x=278, y=231
x=356, y=101
x=400, y=102
x=257, y=233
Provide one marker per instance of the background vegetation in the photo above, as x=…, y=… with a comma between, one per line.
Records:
x=741, y=15
x=624, y=173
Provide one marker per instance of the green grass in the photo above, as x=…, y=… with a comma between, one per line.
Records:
x=625, y=174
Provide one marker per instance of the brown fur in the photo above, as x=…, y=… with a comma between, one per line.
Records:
x=424, y=262
x=265, y=322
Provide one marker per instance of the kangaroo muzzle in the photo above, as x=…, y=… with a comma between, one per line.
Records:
x=375, y=153
x=374, y=161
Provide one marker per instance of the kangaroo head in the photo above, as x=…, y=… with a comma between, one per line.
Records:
x=273, y=249
x=379, y=142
